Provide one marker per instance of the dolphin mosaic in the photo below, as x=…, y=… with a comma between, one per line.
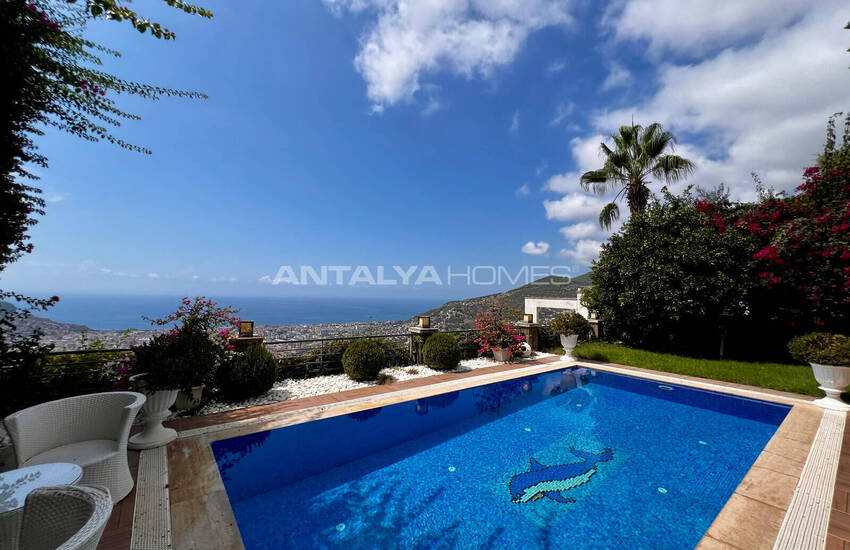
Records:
x=550, y=481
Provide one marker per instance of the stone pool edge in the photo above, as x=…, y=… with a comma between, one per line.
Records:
x=201, y=516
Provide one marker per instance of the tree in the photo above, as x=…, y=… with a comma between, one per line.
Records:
x=639, y=153
x=668, y=280
x=51, y=77
x=835, y=156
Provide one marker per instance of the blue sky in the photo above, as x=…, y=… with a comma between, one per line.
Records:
x=376, y=132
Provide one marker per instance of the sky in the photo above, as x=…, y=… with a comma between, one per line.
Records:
x=448, y=133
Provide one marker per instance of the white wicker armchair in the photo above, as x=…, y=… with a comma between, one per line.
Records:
x=65, y=517
x=88, y=430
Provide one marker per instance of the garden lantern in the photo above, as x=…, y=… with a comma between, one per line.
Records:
x=528, y=317
x=246, y=329
x=424, y=321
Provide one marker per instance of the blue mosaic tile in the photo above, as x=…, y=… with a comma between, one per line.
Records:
x=569, y=459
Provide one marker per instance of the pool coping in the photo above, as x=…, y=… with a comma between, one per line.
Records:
x=201, y=516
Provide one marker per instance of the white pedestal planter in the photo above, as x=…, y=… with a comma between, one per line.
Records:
x=186, y=401
x=501, y=355
x=154, y=411
x=832, y=380
x=569, y=343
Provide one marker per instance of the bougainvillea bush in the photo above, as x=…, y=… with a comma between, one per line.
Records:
x=803, y=254
x=495, y=330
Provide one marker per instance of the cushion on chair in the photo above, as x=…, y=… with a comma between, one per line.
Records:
x=84, y=453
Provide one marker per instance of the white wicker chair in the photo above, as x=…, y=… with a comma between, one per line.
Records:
x=65, y=517
x=88, y=430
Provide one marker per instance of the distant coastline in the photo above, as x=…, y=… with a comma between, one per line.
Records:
x=71, y=339
x=315, y=318
x=120, y=312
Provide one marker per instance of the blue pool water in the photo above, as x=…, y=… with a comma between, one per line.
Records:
x=574, y=458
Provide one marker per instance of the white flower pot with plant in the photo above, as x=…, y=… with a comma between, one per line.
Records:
x=502, y=355
x=495, y=333
x=178, y=360
x=189, y=399
x=155, y=410
x=570, y=327
x=829, y=357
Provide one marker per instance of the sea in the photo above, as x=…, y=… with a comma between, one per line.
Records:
x=123, y=312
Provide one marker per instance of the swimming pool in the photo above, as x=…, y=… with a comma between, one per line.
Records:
x=573, y=458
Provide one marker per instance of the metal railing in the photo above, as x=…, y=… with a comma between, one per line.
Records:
x=309, y=357
x=70, y=372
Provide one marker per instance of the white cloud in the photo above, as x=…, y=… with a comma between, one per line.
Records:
x=762, y=107
x=573, y=207
x=582, y=252
x=265, y=279
x=56, y=196
x=431, y=107
x=515, y=122
x=541, y=167
x=153, y=276
x=583, y=230
x=538, y=249
x=556, y=67
x=617, y=76
x=470, y=38
x=695, y=26
x=562, y=111
x=105, y=270
x=523, y=190
x=195, y=277
x=224, y=280
x=585, y=152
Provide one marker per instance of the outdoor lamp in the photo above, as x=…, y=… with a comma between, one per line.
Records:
x=246, y=329
x=424, y=321
x=594, y=315
x=528, y=317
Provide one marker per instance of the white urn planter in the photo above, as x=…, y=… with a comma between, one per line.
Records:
x=569, y=343
x=832, y=380
x=525, y=349
x=154, y=412
x=501, y=355
x=186, y=401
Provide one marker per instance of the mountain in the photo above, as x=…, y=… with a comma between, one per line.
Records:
x=51, y=329
x=460, y=314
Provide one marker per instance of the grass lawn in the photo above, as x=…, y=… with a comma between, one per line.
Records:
x=791, y=378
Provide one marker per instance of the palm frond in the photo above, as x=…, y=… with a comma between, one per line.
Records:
x=595, y=179
x=658, y=143
x=610, y=213
x=673, y=168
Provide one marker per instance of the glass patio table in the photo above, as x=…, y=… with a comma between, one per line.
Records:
x=15, y=485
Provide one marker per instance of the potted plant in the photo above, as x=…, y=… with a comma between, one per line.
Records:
x=570, y=327
x=829, y=357
x=218, y=324
x=496, y=335
x=179, y=360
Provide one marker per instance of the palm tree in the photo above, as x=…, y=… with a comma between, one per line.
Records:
x=639, y=154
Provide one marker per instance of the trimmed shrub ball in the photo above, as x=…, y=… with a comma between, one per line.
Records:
x=441, y=352
x=363, y=360
x=247, y=374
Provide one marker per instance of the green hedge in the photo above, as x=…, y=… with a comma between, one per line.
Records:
x=363, y=360
x=441, y=352
x=247, y=374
